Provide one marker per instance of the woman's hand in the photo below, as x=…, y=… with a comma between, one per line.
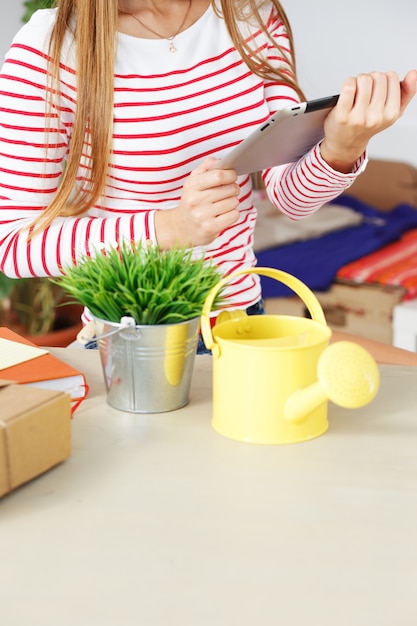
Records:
x=367, y=105
x=209, y=204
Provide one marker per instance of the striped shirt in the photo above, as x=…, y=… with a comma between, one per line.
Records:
x=170, y=112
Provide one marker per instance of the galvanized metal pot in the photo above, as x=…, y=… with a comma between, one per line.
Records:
x=147, y=369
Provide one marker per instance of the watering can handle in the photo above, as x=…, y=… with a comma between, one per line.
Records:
x=297, y=286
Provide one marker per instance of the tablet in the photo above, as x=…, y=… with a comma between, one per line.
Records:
x=284, y=138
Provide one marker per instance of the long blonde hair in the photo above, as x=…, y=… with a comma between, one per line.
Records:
x=95, y=35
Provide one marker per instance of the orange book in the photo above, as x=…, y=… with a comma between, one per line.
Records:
x=45, y=371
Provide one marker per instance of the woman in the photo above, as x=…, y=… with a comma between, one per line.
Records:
x=120, y=139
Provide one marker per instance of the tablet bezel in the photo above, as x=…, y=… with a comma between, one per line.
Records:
x=283, y=138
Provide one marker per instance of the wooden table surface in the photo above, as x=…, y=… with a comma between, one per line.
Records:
x=157, y=520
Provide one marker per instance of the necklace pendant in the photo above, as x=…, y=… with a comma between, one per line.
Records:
x=172, y=47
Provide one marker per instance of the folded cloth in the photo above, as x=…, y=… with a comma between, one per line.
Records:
x=275, y=229
x=394, y=264
x=316, y=261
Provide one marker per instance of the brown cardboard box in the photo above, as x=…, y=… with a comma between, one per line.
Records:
x=35, y=433
x=363, y=310
x=385, y=184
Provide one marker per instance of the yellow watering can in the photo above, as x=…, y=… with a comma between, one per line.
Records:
x=273, y=375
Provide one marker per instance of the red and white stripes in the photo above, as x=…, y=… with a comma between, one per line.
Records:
x=170, y=112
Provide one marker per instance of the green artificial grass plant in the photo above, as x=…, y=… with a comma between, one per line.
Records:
x=150, y=285
x=30, y=6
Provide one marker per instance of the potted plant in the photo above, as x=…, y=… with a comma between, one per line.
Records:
x=33, y=307
x=33, y=5
x=146, y=304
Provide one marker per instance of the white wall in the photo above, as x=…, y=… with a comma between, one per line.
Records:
x=334, y=40
x=10, y=22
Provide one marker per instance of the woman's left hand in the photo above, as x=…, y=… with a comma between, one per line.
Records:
x=368, y=104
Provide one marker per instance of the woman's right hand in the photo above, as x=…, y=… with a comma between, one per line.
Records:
x=209, y=204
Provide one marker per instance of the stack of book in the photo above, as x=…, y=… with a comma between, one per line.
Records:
x=24, y=363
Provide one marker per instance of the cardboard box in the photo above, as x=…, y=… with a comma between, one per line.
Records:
x=35, y=433
x=385, y=184
x=363, y=310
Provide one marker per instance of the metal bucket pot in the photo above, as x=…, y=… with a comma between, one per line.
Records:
x=147, y=369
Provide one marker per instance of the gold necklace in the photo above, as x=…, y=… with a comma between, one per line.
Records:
x=172, y=47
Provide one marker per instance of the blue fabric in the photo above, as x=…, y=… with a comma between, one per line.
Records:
x=316, y=261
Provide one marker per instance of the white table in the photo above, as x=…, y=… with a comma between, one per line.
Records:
x=156, y=520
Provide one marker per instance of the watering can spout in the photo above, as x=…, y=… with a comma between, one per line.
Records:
x=347, y=375
x=302, y=402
